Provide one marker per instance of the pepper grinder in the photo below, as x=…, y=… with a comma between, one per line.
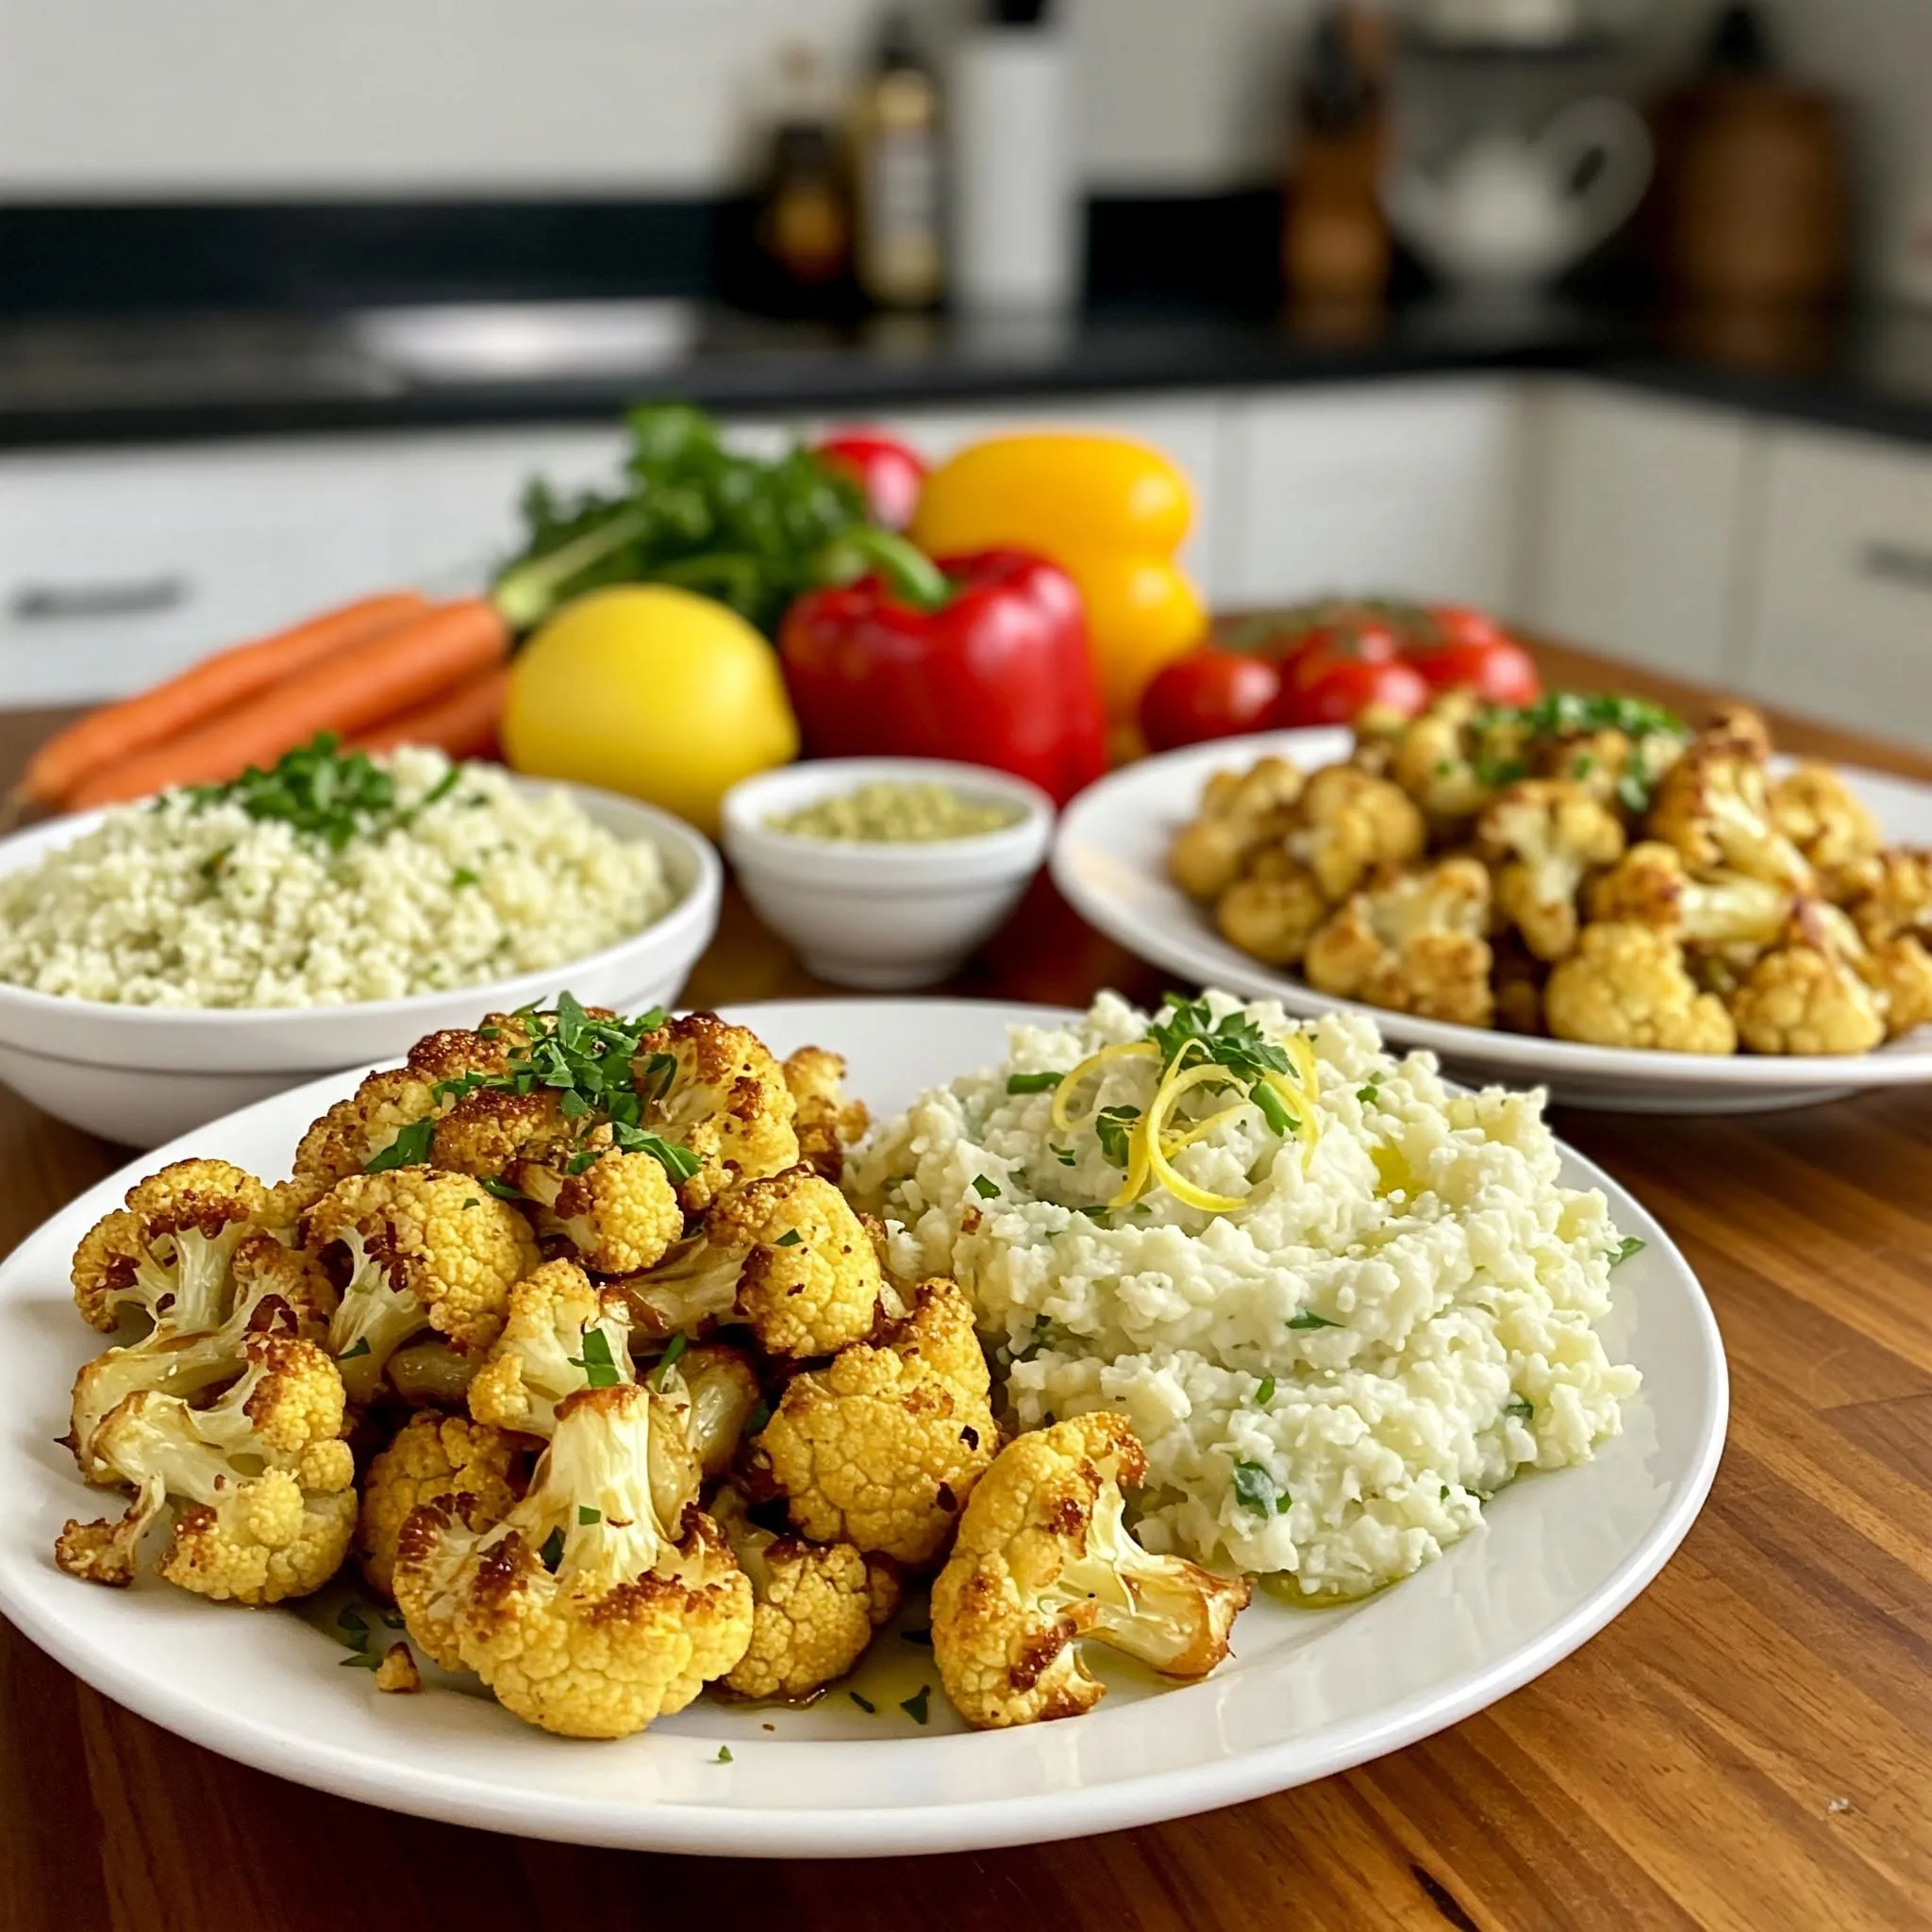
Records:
x=1017, y=215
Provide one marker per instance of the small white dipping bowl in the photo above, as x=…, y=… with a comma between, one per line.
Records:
x=143, y=1074
x=883, y=915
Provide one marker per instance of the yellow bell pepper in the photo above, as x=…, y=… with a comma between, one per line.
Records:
x=1109, y=512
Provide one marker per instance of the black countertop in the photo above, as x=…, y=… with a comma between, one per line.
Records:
x=105, y=381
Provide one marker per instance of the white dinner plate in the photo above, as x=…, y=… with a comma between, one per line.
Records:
x=1306, y=1693
x=1109, y=860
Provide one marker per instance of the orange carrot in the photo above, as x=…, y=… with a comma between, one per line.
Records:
x=344, y=693
x=101, y=738
x=461, y=721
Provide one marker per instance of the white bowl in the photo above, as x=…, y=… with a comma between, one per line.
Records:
x=879, y=915
x=143, y=1074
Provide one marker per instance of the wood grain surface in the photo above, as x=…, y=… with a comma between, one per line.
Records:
x=1749, y=1746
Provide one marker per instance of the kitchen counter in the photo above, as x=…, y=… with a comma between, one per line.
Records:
x=1746, y=1747
x=111, y=380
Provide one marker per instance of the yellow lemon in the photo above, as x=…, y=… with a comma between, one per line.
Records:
x=652, y=690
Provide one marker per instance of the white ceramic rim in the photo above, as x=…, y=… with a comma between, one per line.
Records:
x=854, y=864
x=875, y=1830
x=1181, y=940
x=38, y=1020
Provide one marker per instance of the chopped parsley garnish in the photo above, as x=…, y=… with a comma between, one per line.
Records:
x=1255, y=1490
x=790, y=1239
x=495, y=1184
x=410, y=1148
x=317, y=789
x=1065, y=1155
x=865, y=1704
x=986, y=1190
x=1096, y=1215
x=1265, y=1393
x=472, y=1202
x=1042, y=1340
x=723, y=1756
x=464, y=876
x=1633, y=793
x=587, y=1516
x=1235, y=1042
x=598, y=1364
x=358, y=1347
x=1520, y=1408
x=1569, y=713
x=1308, y=1319
x=391, y=1621
x=1272, y=1109
x=668, y=1361
x=1582, y=765
x=1442, y=1495
x=1368, y=1095
x=1112, y=1127
x=355, y=1628
x=915, y=1706
x=587, y=1063
x=1630, y=1244
x=361, y=1660
x=1033, y=1083
x=551, y=1555
x=760, y=1415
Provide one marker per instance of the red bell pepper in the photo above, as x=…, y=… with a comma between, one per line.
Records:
x=890, y=473
x=982, y=658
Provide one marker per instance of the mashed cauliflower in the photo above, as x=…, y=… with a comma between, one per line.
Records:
x=177, y=904
x=1329, y=1381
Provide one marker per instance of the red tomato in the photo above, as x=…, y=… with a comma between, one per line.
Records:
x=1471, y=650
x=1206, y=695
x=1335, y=689
x=887, y=471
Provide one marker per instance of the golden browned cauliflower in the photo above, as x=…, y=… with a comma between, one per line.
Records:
x=261, y=1478
x=1348, y=825
x=415, y=1249
x=714, y=1388
x=1272, y=913
x=1627, y=986
x=166, y=1255
x=826, y=1121
x=716, y=1090
x=361, y=1128
x=1892, y=910
x=433, y=1457
x=1436, y=761
x=1828, y=822
x=1714, y=806
x=1648, y=885
x=815, y=1607
x=618, y=1211
x=882, y=1446
x=1544, y=837
x=785, y=1255
x=1412, y=943
x=1239, y=813
x=487, y=1130
x=1045, y=1561
x=1807, y=995
x=581, y=1610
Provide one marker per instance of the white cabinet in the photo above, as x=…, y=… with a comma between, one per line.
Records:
x=1635, y=526
x=1840, y=619
x=1406, y=488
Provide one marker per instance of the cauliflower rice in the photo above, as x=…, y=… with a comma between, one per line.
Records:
x=175, y=905
x=1331, y=1382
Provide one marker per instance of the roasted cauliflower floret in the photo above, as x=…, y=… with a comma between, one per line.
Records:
x=1044, y=1560
x=882, y=1447
x=1412, y=943
x=167, y=1252
x=487, y=1130
x=785, y=1254
x=1807, y=995
x=1544, y=837
x=1274, y=912
x=1626, y=986
x=433, y=1457
x=716, y=1090
x=1239, y=813
x=1714, y=806
x=560, y=1334
x=267, y=1510
x=1893, y=898
x=356, y=1130
x=1828, y=822
x=582, y=1611
x=826, y=1121
x=815, y=1607
x=1348, y=825
x=1435, y=761
x=1648, y=885
x=714, y=1389
x=415, y=1249
x=618, y=1211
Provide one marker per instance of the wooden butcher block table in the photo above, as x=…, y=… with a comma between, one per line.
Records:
x=1749, y=1745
